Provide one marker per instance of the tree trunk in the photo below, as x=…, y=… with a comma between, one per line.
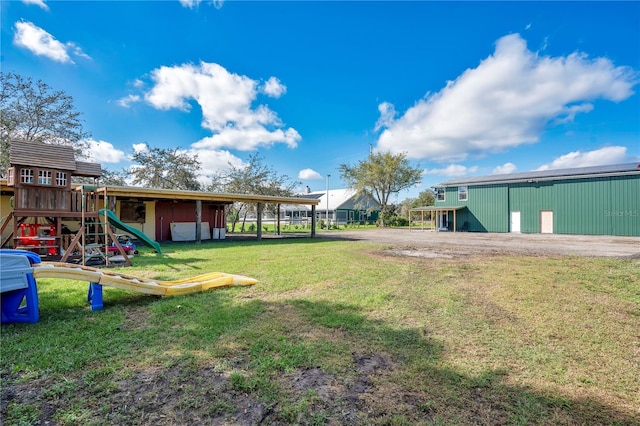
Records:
x=244, y=219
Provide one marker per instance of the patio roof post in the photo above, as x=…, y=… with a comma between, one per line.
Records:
x=454, y=220
x=198, y=221
x=313, y=221
x=278, y=219
x=259, y=218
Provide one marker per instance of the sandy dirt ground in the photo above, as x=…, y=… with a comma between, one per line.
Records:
x=469, y=243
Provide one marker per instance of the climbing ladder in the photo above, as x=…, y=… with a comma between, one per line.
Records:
x=95, y=237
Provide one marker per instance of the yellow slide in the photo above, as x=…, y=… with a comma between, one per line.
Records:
x=142, y=285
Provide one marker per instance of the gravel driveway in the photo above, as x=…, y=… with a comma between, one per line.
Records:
x=467, y=243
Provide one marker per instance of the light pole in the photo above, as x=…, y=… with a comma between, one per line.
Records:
x=328, y=176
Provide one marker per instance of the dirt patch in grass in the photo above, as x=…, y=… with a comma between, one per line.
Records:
x=146, y=396
x=498, y=243
x=423, y=253
x=354, y=399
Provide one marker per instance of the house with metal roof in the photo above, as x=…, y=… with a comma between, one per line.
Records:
x=339, y=206
x=602, y=200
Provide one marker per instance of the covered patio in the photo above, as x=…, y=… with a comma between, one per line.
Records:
x=432, y=218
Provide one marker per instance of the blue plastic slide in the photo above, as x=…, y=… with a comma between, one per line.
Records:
x=113, y=220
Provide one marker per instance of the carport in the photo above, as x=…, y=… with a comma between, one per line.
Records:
x=437, y=218
x=190, y=205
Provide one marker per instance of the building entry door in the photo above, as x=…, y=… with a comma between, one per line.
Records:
x=546, y=222
x=515, y=222
x=443, y=219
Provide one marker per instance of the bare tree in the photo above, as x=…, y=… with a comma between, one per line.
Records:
x=114, y=177
x=252, y=178
x=165, y=169
x=33, y=112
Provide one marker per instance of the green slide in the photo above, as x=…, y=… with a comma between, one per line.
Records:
x=113, y=220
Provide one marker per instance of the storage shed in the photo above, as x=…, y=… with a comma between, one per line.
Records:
x=602, y=200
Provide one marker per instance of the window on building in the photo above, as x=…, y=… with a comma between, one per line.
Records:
x=10, y=176
x=61, y=179
x=133, y=211
x=44, y=177
x=440, y=194
x=26, y=176
x=463, y=193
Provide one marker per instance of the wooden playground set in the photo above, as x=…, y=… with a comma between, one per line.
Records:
x=45, y=200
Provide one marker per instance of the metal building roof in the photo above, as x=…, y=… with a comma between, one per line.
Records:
x=548, y=175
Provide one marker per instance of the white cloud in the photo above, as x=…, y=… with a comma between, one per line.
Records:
x=42, y=43
x=387, y=115
x=190, y=4
x=273, y=87
x=506, y=168
x=249, y=138
x=212, y=161
x=309, y=174
x=452, y=170
x=77, y=51
x=598, y=157
x=104, y=152
x=40, y=3
x=504, y=102
x=140, y=147
x=193, y=4
x=226, y=101
x=128, y=100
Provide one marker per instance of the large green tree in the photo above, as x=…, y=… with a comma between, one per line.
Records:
x=162, y=168
x=256, y=177
x=380, y=176
x=425, y=198
x=34, y=112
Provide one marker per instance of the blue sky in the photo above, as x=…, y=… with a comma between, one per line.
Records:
x=463, y=88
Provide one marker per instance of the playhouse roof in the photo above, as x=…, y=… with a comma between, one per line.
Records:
x=58, y=157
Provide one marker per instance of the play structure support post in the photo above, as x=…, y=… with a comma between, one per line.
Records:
x=94, y=296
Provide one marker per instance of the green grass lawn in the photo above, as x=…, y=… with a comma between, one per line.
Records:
x=335, y=333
